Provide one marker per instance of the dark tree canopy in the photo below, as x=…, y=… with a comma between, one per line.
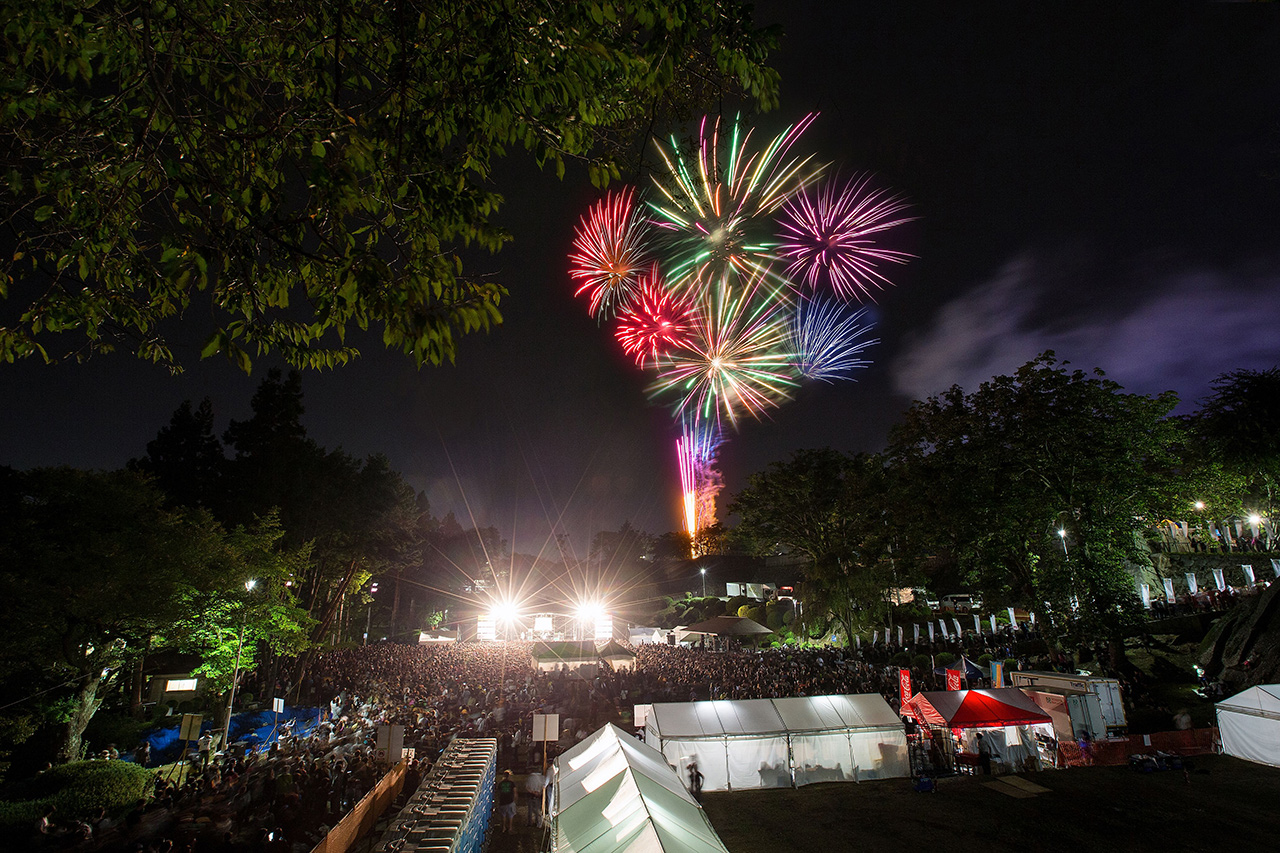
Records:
x=276, y=173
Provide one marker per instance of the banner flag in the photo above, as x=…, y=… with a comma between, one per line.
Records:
x=953, y=679
x=1248, y=573
x=994, y=629
x=1191, y=583
x=917, y=627
x=1168, y=591
x=942, y=623
x=888, y=638
x=1031, y=616
x=977, y=624
x=857, y=641
x=1013, y=620
x=899, y=635
x=997, y=673
x=1145, y=590
x=959, y=630
x=930, y=626
x=904, y=686
x=1275, y=566
x=1220, y=579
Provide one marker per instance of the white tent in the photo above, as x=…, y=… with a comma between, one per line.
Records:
x=775, y=743
x=613, y=793
x=1249, y=724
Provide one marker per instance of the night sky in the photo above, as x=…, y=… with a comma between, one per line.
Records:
x=1099, y=184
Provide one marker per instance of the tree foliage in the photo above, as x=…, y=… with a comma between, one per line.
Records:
x=829, y=507
x=301, y=169
x=1239, y=425
x=1040, y=483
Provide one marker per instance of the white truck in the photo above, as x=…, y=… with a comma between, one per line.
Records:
x=1092, y=703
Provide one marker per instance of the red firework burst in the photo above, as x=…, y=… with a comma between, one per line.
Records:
x=608, y=253
x=832, y=232
x=655, y=321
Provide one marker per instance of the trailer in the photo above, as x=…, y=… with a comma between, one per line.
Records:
x=1106, y=691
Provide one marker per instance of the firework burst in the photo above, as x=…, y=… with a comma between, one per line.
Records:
x=738, y=360
x=656, y=320
x=609, y=253
x=700, y=482
x=714, y=209
x=828, y=340
x=830, y=234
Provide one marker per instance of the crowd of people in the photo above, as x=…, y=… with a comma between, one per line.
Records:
x=283, y=799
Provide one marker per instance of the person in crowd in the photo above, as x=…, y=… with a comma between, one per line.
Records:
x=507, y=800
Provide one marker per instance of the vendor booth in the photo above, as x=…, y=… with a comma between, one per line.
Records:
x=1249, y=723
x=613, y=793
x=1017, y=733
x=778, y=743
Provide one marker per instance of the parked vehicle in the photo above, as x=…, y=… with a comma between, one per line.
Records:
x=1106, y=691
x=960, y=602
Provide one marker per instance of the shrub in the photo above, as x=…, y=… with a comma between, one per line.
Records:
x=944, y=659
x=901, y=659
x=984, y=660
x=77, y=790
x=733, y=605
x=1010, y=665
x=921, y=662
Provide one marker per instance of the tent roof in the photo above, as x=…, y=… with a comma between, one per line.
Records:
x=613, y=649
x=1262, y=700
x=567, y=650
x=728, y=626
x=967, y=709
x=819, y=713
x=967, y=668
x=742, y=717
x=613, y=793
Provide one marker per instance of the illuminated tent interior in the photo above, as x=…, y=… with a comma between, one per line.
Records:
x=778, y=743
x=613, y=793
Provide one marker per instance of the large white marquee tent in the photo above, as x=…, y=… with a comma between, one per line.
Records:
x=777, y=743
x=1249, y=724
x=613, y=793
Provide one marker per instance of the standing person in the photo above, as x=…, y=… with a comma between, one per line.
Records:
x=204, y=745
x=984, y=754
x=507, y=800
x=533, y=784
x=695, y=781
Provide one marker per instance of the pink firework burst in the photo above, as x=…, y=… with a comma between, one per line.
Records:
x=655, y=321
x=609, y=253
x=832, y=233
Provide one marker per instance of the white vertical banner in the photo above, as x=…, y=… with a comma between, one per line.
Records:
x=1031, y=617
x=1220, y=579
x=942, y=623
x=1145, y=591
x=899, y=635
x=857, y=641
x=1275, y=566
x=977, y=624
x=1168, y=590
x=930, y=626
x=888, y=637
x=917, y=629
x=994, y=627
x=959, y=630
x=1191, y=583
x=1013, y=620
x=1248, y=573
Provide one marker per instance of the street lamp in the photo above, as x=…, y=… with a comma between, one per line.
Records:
x=704, y=581
x=249, y=586
x=368, y=613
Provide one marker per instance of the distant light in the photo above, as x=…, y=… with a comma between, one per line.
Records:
x=373, y=588
x=1254, y=519
x=590, y=611
x=504, y=610
x=704, y=571
x=250, y=584
x=1199, y=504
x=1062, y=532
x=179, y=685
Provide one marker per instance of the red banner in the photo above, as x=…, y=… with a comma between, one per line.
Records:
x=904, y=685
x=953, y=679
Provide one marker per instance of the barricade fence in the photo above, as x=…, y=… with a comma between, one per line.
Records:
x=1116, y=751
x=362, y=818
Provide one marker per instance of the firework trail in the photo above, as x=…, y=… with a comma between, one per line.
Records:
x=830, y=233
x=828, y=340
x=609, y=253
x=708, y=286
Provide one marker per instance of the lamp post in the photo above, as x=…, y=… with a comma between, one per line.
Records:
x=249, y=586
x=703, y=570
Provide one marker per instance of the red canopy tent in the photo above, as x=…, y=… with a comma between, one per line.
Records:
x=975, y=709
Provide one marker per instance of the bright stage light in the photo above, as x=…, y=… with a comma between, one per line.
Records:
x=590, y=611
x=504, y=611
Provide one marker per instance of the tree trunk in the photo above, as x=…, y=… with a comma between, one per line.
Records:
x=135, y=693
x=87, y=701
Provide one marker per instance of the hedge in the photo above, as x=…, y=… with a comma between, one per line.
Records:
x=77, y=790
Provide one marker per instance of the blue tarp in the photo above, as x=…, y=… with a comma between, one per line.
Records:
x=968, y=669
x=254, y=728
